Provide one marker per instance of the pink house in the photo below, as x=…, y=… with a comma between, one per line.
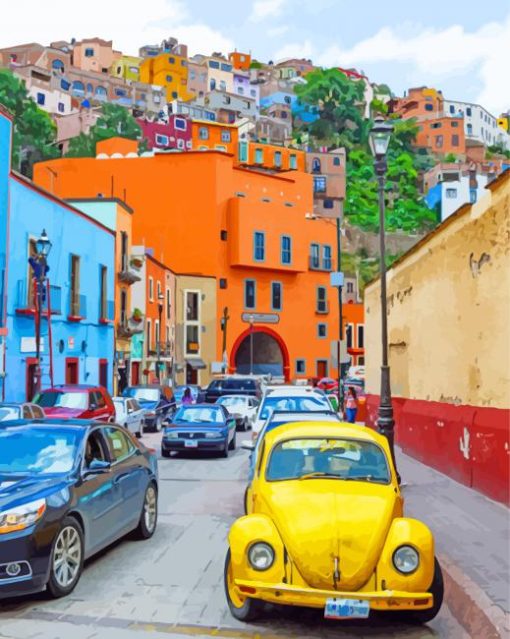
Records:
x=176, y=134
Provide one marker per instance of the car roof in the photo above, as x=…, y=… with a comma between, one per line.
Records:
x=291, y=391
x=78, y=424
x=324, y=429
x=72, y=387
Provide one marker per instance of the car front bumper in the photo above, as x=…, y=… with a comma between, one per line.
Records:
x=169, y=445
x=287, y=594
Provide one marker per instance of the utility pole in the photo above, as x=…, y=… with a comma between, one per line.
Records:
x=340, y=313
x=224, y=322
x=251, y=344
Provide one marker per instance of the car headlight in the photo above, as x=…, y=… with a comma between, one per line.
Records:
x=261, y=556
x=20, y=517
x=171, y=434
x=210, y=435
x=406, y=559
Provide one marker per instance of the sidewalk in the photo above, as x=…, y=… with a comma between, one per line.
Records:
x=472, y=543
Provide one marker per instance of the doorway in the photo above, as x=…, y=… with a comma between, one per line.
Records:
x=135, y=373
x=31, y=367
x=191, y=374
x=103, y=373
x=72, y=374
x=322, y=368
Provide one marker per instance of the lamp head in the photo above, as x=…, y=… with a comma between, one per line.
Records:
x=379, y=137
x=43, y=245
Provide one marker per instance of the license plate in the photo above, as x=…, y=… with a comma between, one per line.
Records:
x=190, y=443
x=346, y=609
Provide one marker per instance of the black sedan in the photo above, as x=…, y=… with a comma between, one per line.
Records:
x=68, y=488
x=200, y=427
x=157, y=401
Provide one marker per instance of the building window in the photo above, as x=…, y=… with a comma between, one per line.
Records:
x=361, y=336
x=439, y=141
x=249, y=294
x=212, y=84
x=103, y=283
x=171, y=60
x=286, y=249
x=259, y=241
x=259, y=156
x=41, y=98
x=451, y=193
x=223, y=235
x=328, y=204
x=149, y=336
x=348, y=335
x=322, y=330
x=455, y=124
x=175, y=95
x=326, y=258
x=61, y=107
x=89, y=53
x=75, y=286
x=225, y=136
x=277, y=158
x=169, y=78
x=203, y=133
x=192, y=300
x=319, y=184
x=336, y=161
x=276, y=296
x=151, y=289
x=455, y=140
x=293, y=161
x=226, y=67
x=322, y=303
x=300, y=366
x=284, y=115
x=468, y=111
x=350, y=287
x=58, y=65
x=469, y=129
x=429, y=107
x=213, y=64
x=243, y=152
x=452, y=108
x=223, y=85
x=472, y=196
x=314, y=256
x=436, y=125
x=161, y=140
x=221, y=147
x=316, y=165
x=223, y=283
x=181, y=144
x=253, y=93
x=180, y=123
x=123, y=307
x=168, y=303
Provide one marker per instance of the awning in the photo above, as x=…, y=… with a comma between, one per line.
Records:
x=196, y=363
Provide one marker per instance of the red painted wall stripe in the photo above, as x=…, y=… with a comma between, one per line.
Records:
x=471, y=444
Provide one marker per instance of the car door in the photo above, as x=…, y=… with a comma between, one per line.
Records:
x=137, y=414
x=97, y=496
x=130, y=475
x=230, y=422
x=37, y=411
x=102, y=412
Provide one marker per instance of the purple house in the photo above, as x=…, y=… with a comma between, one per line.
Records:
x=242, y=86
x=174, y=134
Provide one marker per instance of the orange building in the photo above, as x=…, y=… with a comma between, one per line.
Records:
x=214, y=136
x=247, y=229
x=271, y=156
x=442, y=135
x=168, y=69
x=419, y=102
x=240, y=61
x=354, y=329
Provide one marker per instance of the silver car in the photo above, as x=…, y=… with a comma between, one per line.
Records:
x=130, y=414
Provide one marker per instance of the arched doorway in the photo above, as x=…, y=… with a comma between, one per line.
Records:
x=270, y=353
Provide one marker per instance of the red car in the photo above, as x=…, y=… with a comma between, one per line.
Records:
x=327, y=384
x=77, y=401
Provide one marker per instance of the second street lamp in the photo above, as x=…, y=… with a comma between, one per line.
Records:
x=379, y=139
x=161, y=298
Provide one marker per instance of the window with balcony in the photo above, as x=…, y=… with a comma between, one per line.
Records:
x=319, y=184
x=322, y=300
x=286, y=249
x=326, y=258
x=203, y=133
x=259, y=248
x=276, y=296
x=249, y=294
x=314, y=256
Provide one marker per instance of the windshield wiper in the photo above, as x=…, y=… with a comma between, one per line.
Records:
x=321, y=476
x=365, y=478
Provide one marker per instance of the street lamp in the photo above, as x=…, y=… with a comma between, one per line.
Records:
x=39, y=267
x=161, y=298
x=251, y=344
x=379, y=139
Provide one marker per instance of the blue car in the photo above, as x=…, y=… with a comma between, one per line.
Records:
x=200, y=427
x=68, y=488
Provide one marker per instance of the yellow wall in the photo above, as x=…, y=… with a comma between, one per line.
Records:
x=156, y=70
x=126, y=64
x=449, y=311
x=503, y=123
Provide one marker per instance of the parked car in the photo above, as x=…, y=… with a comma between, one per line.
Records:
x=23, y=410
x=157, y=401
x=327, y=521
x=179, y=393
x=69, y=489
x=130, y=414
x=233, y=386
x=327, y=384
x=242, y=408
x=78, y=401
x=200, y=427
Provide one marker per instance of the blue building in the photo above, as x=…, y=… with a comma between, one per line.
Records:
x=81, y=291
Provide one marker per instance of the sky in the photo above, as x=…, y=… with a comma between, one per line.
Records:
x=460, y=47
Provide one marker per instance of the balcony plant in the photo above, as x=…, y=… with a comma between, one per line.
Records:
x=136, y=262
x=137, y=316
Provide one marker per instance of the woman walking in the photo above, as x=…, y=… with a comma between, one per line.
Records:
x=351, y=405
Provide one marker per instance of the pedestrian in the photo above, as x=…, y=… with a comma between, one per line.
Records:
x=351, y=405
x=187, y=398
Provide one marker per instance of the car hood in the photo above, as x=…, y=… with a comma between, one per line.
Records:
x=21, y=489
x=197, y=427
x=60, y=411
x=148, y=405
x=320, y=520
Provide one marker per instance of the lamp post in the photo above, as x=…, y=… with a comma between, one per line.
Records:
x=39, y=267
x=224, y=322
x=379, y=139
x=161, y=298
x=251, y=344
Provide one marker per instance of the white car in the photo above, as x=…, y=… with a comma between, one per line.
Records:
x=243, y=408
x=130, y=414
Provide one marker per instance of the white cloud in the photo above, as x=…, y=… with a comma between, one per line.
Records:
x=263, y=9
x=295, y=50
x=278, y=31
x=436, y=55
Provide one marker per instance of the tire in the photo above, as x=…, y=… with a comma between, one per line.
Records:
x=242, y=609
x=147, y=526
x=165, y=453
x=232, y=445
x=157, y=424
x=245, y=425
x=224, y=452
x=419, y=617
x=69, y=541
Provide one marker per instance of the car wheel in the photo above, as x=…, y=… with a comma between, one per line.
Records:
x=244, y=425
x=241, y=607
x=419, y=617
x=165, y=453
x=66, y=562
x=224, y=452
x=157, y=424
x=233, y=442
x=149, y=516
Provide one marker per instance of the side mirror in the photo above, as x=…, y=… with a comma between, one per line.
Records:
x=98, y=467
x=248, y=445
x=92, y=406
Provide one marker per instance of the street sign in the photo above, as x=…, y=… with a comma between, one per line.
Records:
x=28, y=345
x=260, y=318
x=336, y=278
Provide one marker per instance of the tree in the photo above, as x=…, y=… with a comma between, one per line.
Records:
x=340, y=102
x=34, y=132
x=450, y=157
x=115, y=120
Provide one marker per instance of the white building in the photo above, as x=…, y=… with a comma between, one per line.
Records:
x=479, y=124
x=462, y=191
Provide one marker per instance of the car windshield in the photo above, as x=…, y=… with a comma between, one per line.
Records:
x=232, y=401
x=335, y=458
x=62, y=399
x=9, y=412
x=198, y=415
x=239, y=384
x=143, y=394
x=296, y=403
x=41, y=451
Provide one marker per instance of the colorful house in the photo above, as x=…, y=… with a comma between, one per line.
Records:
x=207, y=135
x=442, y=135
x=126, y=67
x=94, y=54
x=240, y=61
x=168, y=69
x=80, y=296
x=174, y=134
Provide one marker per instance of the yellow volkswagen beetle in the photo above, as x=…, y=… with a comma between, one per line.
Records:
x=325, y=529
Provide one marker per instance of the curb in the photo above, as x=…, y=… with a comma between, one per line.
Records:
x=471, y=606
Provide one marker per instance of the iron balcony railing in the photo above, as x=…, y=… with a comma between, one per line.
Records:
x=25, y=298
